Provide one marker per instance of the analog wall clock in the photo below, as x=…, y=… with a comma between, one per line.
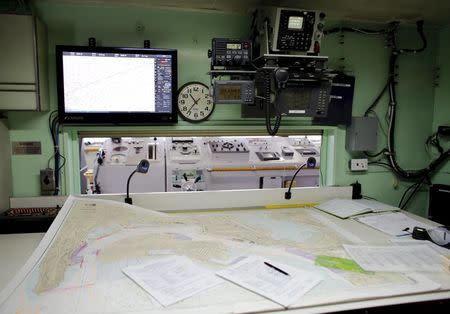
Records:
x=194, y=102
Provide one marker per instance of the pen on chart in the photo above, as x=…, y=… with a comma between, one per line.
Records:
x=277, y=269
x=406, y=234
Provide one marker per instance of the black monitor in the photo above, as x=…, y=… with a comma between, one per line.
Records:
x=101, y=85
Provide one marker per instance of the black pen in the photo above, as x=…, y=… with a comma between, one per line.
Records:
x=277, y=269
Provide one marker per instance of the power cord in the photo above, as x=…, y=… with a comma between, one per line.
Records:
x=53, y=125
x=288, y=194
x=266, y=78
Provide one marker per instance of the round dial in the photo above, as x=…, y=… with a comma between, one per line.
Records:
x=194, y=102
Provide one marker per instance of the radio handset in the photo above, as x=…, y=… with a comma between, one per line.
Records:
x=281, y=77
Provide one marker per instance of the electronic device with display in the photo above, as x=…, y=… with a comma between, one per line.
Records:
x=294, y=30
x=234, y=92
x=103, y=85
x=230, y=52
x=309, y=100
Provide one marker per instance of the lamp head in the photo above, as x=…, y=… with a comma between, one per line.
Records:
x=143, y=166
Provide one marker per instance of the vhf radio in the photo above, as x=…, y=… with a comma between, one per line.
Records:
x=230, y=52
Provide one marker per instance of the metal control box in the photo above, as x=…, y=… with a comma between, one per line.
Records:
x=362, y=135
x=229, y=150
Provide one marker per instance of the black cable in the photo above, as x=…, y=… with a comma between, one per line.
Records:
x=54, y=132
x=355, y=30
x=376, y=154
x=63, y=163
x=434, y=140
x=272, y=130
x=128, y=200
x=253, y=26
x=391, y=155
x=369, y=198
x=288, y=194
x=417, y=185
x=404, y=194
x=377, y=100
x=419, y=25
x=55, y=127
x=266, y=76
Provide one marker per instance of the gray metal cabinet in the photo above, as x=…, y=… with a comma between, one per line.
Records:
x=23, y=63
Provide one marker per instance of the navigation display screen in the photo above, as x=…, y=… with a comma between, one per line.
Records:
x=116, y=85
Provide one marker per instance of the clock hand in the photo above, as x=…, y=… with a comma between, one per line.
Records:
x=195, y=101
x=191, y=106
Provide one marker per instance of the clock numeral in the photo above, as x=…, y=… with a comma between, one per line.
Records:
x=189, y=90
x=195, y=115
x=184, y=108
x=196, y=89
x=207, y=108
x=208, y=102
x=202, y=113
x=182, y=101
x=185, y=95
x=189, y=112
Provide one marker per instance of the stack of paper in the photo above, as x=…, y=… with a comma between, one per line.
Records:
x=172, y=279
x=396, y=258
x=396, y=224
x=176, y=278
x=375, y=206
x=278, y=282
x=345, y=208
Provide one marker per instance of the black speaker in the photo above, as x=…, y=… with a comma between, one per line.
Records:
x=438, y=209
x=341, y=102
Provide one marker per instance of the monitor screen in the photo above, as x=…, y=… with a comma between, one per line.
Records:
x=100, y=85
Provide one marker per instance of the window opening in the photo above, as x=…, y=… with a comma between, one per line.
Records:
x=198, y=163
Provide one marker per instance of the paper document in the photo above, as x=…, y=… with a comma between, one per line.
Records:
x=280, y=283
x=375, y=206
x=343, y=208
x=395, y=224
x=410, y=241
x=172, y=279
x=396, y=258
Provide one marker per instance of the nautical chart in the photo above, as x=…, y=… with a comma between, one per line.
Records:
x=77, y=268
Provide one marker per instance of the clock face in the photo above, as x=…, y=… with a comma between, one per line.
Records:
x=194, y=102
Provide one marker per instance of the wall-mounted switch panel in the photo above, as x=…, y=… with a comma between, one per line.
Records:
x=47, y=181
x=359, y=164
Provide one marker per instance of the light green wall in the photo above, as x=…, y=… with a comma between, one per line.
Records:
x=442, y=96
x=191, y=33
x=367, y=58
